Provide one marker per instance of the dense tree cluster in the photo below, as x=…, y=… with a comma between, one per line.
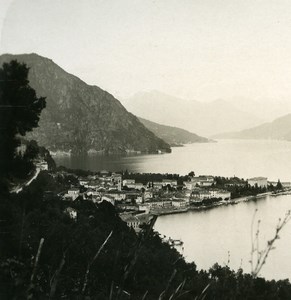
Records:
x=20, y=109
x=240, y=187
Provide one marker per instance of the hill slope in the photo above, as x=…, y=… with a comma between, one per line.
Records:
x=79, y=117
x=204, y=118
x=173, y=135
x=279, y=129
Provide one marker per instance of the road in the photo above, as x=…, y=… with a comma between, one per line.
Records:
x=18, y=189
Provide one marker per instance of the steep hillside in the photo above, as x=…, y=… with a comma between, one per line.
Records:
x=79, y=117
x=279, y=129
x=204, y=118
x=173, y=135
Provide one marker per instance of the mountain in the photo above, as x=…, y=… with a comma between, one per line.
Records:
x=80, y=117
x=204, y=118
x=266, y=109
x=173, y=135
x=279, y=129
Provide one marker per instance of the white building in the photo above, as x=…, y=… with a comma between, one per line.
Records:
x=139, y=186
x=73, y=193
x=84, y=182
x=108, y=199
x=117, y=195
x=286, y=185
x=93, y=184
x=189, y=185
x=148, y=195
x=179, y=203
x=130, y=183
x=216, y=193
x=131, y=221
x=170, y=182
x=139, y=200
x=203, y=181
x=259, y=181
x=159, y=204
x=157, y=185
x=201, y=194
x=43, y=165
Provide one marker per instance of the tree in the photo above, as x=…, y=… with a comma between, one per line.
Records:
x=191, y=174
x=20, y=109
x=279, y=185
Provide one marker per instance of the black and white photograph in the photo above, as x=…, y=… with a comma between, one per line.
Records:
x=145, y=149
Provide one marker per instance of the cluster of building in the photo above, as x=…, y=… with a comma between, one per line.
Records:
x=97, y=188
x=203, y=188
x=134, y=200
x=153, y=197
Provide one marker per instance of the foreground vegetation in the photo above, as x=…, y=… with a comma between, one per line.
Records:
x=127, y=267
x=46, y=252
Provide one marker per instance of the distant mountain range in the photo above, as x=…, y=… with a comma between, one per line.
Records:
x=266, y=109
x=81, y=118
x=204, y=118
x=173, y=135
x=279, y=129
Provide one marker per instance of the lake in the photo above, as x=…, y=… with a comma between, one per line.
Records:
x=242, y=158
x=223, y=234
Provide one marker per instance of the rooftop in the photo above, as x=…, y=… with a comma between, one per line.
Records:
x=258, y=178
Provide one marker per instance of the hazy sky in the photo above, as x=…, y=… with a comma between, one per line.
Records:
x=199, y=49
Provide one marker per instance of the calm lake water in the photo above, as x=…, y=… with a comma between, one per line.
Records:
x=242, y=158
x=210, y=235
x=224, y=233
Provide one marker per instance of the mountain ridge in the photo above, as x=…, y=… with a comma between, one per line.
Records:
x=278, y=129
x=81, y=117
x=174, y=136
x=203, y=118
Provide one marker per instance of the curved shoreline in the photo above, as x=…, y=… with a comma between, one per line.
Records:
x=162, y=212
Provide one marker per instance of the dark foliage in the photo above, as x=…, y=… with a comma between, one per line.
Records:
x=20, y=109
x=47, y=253
x=128, y=266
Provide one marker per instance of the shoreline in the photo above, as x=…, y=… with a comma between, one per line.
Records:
x=234, y=201
x=286, y=192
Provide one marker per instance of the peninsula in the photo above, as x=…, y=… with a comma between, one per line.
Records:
x=139, y=196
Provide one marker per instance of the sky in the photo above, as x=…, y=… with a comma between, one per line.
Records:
x=194, y=49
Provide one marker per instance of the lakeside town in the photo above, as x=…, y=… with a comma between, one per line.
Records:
x=145, y=150
x=137, y=197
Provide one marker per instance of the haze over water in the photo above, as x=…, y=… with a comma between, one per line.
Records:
x=242, y=158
